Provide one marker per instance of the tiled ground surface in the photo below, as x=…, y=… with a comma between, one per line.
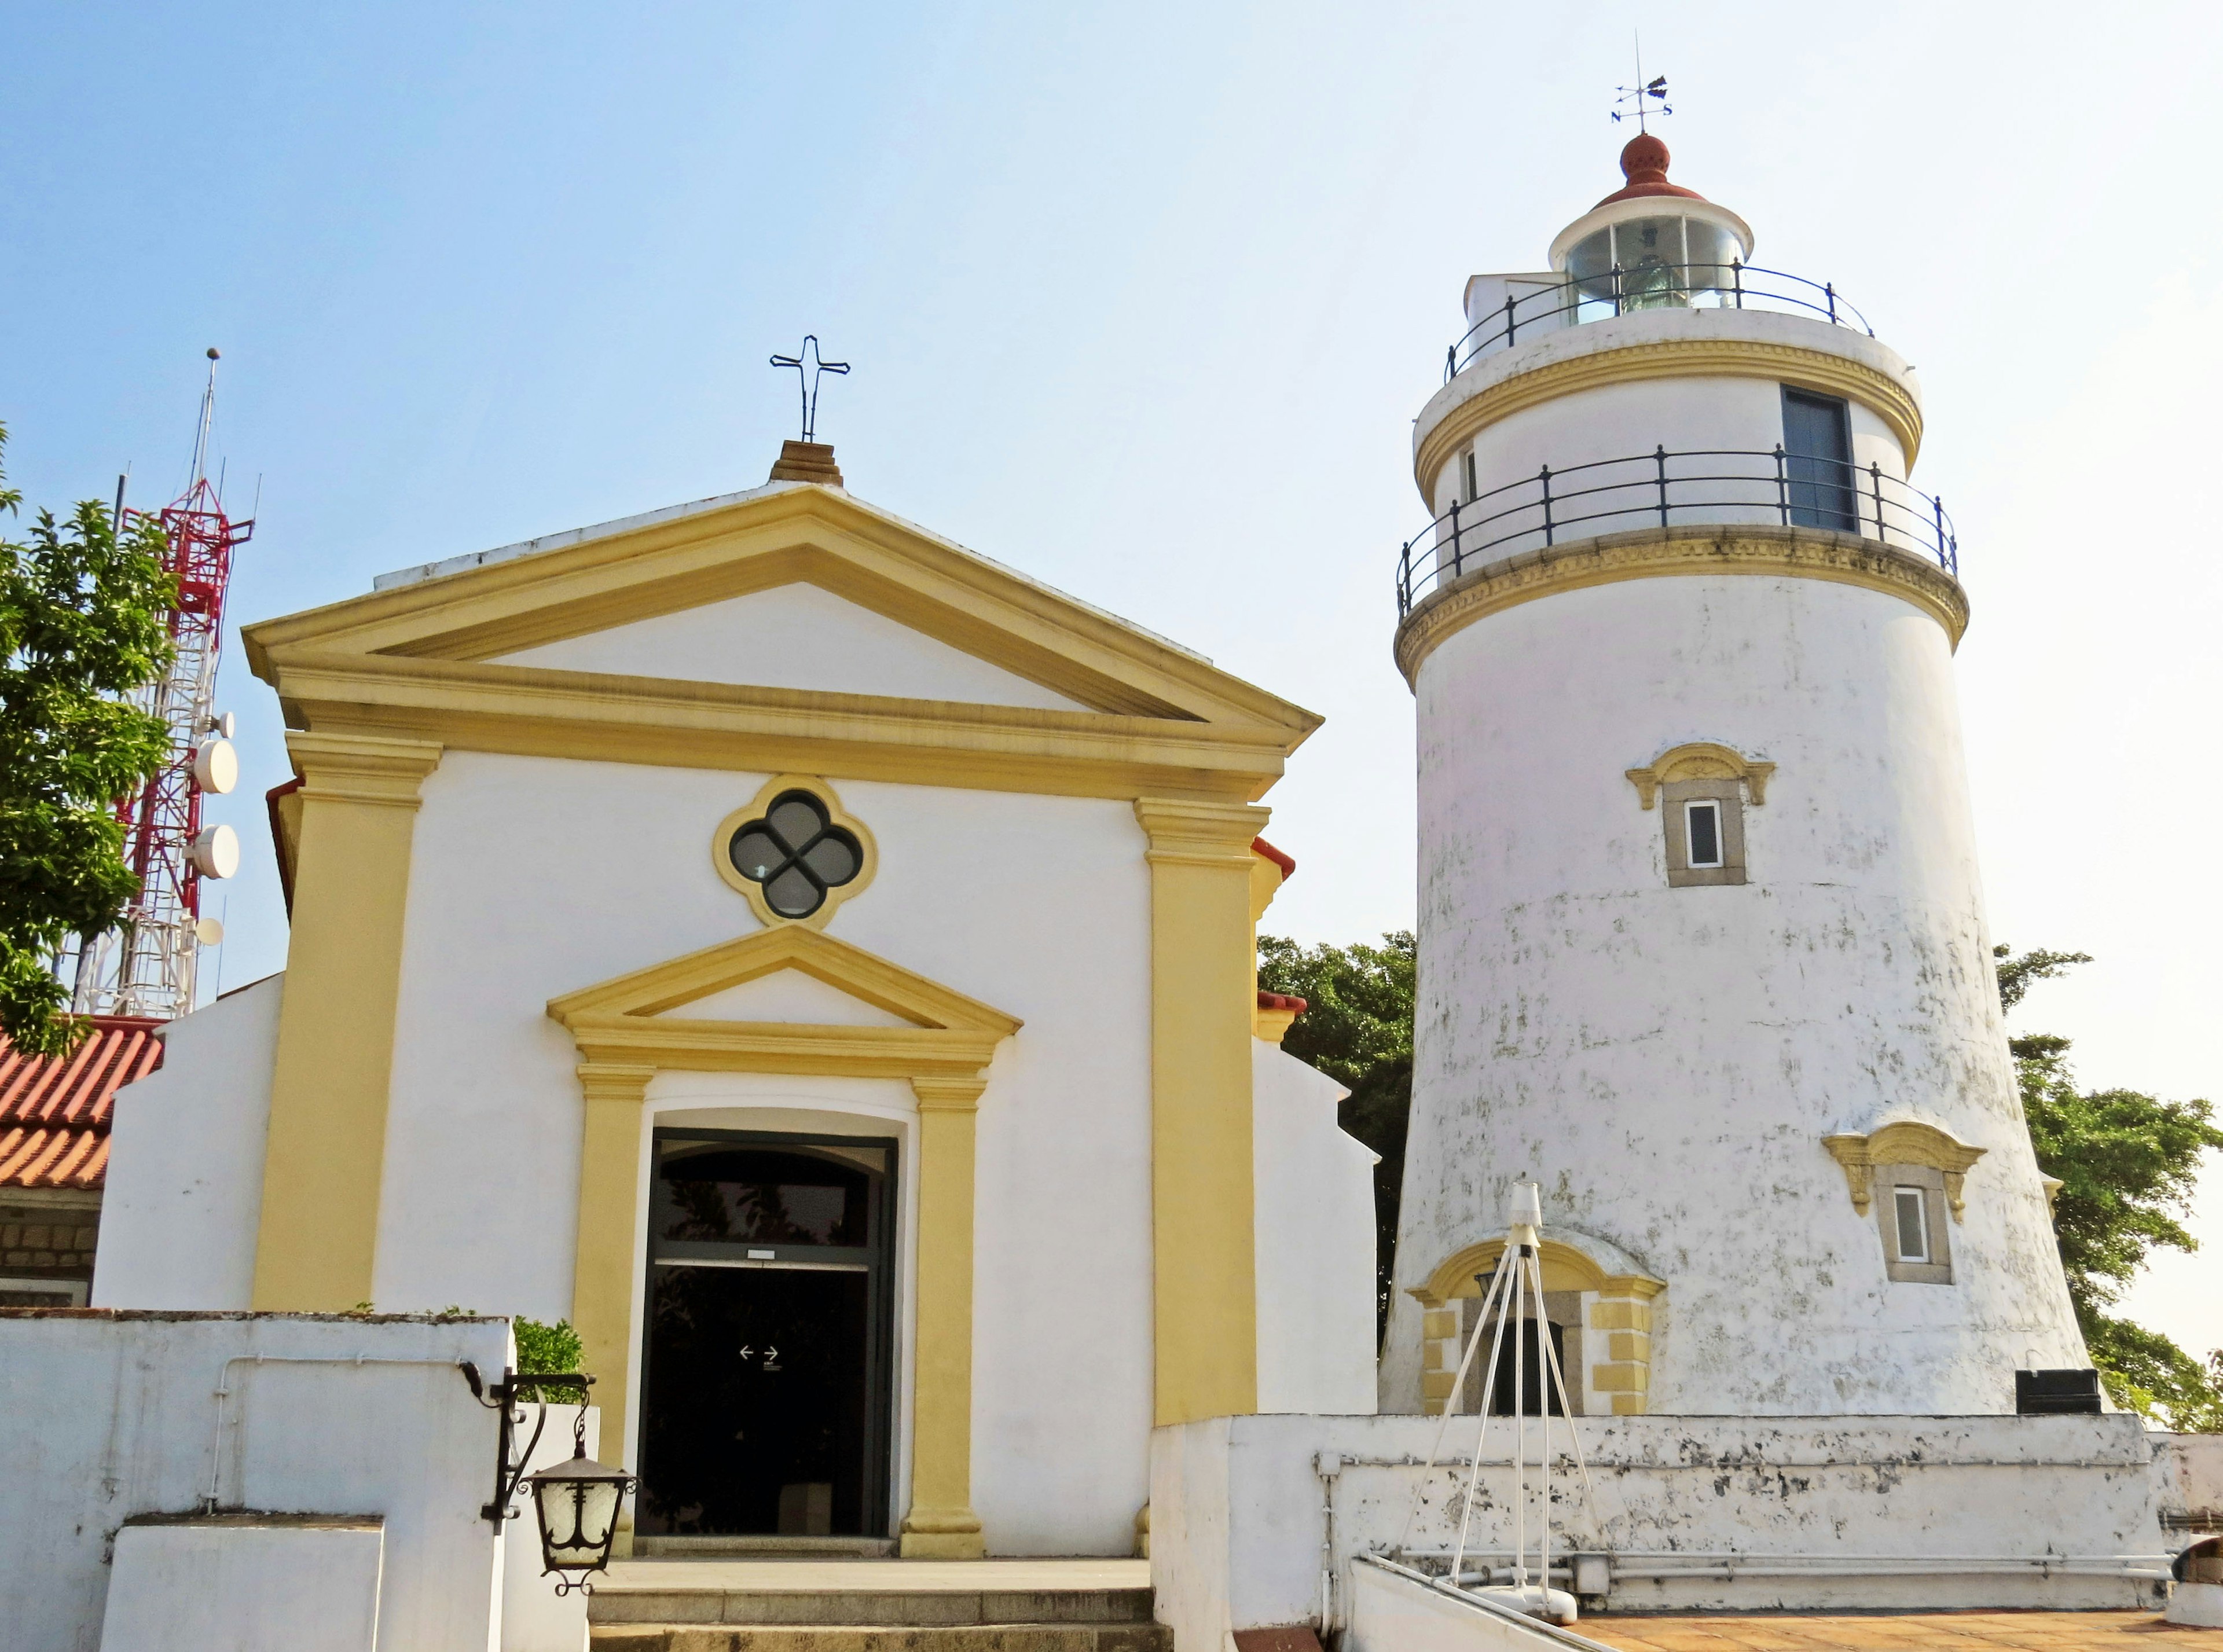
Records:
x=1945, y=1631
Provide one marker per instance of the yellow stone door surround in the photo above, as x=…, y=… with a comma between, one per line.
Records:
x=1618, y=1310
x=626, y=1033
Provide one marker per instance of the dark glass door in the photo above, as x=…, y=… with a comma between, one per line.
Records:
x=1817, y=460
x=765, y=1406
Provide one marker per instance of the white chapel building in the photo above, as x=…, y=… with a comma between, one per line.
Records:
x=816, y=961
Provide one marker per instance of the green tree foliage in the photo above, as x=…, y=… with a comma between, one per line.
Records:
x=543, y=1347
x=82, y=622
x=1357, y=1029
x=2128, y=1163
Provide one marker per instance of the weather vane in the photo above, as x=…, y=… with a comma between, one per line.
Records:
x=1634, y=96
x=808, y=376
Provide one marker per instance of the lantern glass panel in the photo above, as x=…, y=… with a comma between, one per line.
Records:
x=577, y=1519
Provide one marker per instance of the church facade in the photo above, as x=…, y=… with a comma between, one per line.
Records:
x=817, y=962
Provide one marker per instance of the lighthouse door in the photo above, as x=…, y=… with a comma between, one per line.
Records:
x=765, y=1396
x=1817, y=457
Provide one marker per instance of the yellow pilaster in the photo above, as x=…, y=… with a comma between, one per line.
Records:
x=1203, y=996
x=322, y=1163
x=602, y=1259
x=940, y=1523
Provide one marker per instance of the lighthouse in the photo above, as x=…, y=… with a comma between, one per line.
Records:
x=1703, y=948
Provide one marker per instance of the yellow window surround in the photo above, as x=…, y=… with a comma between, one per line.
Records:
x=1908, y=1141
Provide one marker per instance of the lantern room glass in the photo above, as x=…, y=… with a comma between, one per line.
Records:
x=1672, y=261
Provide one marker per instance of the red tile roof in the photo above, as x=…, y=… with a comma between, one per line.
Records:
x=55, y=1115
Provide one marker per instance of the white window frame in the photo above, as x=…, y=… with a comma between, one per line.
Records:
x=1690, y=807
x=1900, y=1196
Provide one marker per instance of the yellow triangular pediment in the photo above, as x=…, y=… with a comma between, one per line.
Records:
x=788, y=533
x=641, y=1017
x=447, y=654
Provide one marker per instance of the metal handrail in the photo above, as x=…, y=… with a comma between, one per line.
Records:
x=1733, y=285
x=1664, y=489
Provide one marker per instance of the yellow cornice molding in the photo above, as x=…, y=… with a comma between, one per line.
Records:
x=1679, y=358
x=586, y=715
x=805, y=534
x=1655, y=553
x=1905, y=1141
x=1700, y=760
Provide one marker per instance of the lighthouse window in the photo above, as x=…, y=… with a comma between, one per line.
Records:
x=1705, y=827
x=1473, y=487
x=1913, y=1226
x=1915, y=1247
x=1702, y=821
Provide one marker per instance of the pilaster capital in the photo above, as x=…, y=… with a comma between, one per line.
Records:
x=361, y=767
x=610, y=1081
x=948, y=1092
x=1186, y=832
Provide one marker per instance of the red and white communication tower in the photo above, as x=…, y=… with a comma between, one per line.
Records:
x=145, y=966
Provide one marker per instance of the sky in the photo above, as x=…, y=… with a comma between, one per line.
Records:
x=1142, y=301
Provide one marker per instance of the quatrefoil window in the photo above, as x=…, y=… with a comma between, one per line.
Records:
x=796, y=854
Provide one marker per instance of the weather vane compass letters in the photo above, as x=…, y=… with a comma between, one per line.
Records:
x=1632, y=98
x=809, y=367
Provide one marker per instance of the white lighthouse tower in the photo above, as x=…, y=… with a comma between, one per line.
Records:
x=1702, y=945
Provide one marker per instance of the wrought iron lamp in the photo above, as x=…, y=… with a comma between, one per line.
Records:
x=576, y=1503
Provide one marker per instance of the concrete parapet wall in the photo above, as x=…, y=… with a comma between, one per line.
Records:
x=109, y=1417
x=1906, y=1512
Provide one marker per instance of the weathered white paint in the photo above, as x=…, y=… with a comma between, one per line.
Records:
x=1315, y=1241
x=108, y=1415
x=1666, y=1061
x=245, y=1584
x=2188, y=1469
x=184, y=1168
x=532, y=877
x=2196, y=1604
x=1824, y=1512
x=793, y=636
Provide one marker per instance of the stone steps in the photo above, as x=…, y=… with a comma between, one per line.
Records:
x=881, y=1637
x=699, y=1605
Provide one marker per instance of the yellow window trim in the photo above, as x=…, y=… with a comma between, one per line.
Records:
x=1907, y=1141
x=1700, y=760
x=721, y=860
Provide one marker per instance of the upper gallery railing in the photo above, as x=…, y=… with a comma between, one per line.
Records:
x=1663, y=489
x=1569, y=303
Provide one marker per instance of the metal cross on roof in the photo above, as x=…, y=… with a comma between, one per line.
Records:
x=808, y=376
x=1634, y=96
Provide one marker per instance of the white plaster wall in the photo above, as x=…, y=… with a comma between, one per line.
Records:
x=296, y=1586
x=1240, y=1509
x=106, y=1416
x=1666, y=1061
x=185, y=1169
x=533, y=878
x=1314, y=1226
x=793, y=636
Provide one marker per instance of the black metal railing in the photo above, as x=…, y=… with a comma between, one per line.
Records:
x=1733, y=285
x=1714, y=486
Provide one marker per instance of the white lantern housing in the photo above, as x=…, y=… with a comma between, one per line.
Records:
x=577, y=1504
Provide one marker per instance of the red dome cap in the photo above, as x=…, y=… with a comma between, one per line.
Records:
x=1644, y=163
